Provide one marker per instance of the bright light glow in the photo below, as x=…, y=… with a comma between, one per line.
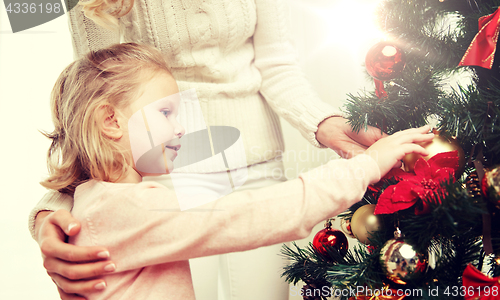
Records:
x=389, y=51
x=351, y=23
x=407, y=252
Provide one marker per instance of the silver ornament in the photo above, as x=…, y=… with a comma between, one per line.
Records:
x=345, y=226
x=400, y=262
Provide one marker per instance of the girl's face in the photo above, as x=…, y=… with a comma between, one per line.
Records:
x=153, y=129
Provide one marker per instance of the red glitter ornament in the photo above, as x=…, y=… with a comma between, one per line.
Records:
x=328, y=237
x=384, y=61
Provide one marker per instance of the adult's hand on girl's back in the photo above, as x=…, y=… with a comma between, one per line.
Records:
x=72, y=268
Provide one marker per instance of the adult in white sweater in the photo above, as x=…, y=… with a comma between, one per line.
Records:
x=238, y=57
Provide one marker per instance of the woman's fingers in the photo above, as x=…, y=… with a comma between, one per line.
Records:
x=63, y=219
x=366, y=137
x=72, y=268
x=73, y=271
x=77, y=286
x=66, y=296
x=53, y=247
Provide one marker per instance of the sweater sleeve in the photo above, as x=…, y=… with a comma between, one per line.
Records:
x=87, y=35
x=51, y=201
x=142, y=225
x=284, y=85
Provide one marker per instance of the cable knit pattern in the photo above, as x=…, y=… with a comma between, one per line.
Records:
x=88, y=36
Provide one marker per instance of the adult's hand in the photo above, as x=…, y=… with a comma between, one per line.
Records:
x=72, y=268
x=336, y=134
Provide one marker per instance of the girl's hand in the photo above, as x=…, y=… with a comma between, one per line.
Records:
x=69, y=266
x=388, y=151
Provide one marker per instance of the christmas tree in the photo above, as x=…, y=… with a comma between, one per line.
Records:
x=431, y=231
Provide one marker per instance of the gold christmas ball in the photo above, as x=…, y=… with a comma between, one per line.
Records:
x=439, y=144
x=364, y=222
x=400, y=262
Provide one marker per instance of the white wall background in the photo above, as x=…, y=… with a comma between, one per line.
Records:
x=332, y=37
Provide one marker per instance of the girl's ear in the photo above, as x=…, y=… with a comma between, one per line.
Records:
x=108, y=121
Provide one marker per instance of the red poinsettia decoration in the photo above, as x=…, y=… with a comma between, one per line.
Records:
x=479, y=286
x=425, y=182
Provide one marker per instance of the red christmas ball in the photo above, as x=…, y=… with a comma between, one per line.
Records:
x=384, y=61
x=328, y=237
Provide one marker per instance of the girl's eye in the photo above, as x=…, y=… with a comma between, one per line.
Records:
x=165, y=113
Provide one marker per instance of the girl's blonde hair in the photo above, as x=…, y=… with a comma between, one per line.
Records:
x=99, y=84
x=106, y=12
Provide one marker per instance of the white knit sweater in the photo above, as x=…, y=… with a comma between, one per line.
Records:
x=237, y=55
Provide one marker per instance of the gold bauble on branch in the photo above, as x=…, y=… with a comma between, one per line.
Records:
x=364, y=222
x=401, y=262
x=439, y=144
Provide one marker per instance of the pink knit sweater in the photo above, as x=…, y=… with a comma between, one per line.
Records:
x=151, y=240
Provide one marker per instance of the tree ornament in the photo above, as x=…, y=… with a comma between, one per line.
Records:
x=329, y=237
x=439, y=144
x=473, y=185
x=476, y=283
x=345, y=226
x=364, y=222
x=400, y=261
x=491, y=185
x=384, y=61
x=482, y=49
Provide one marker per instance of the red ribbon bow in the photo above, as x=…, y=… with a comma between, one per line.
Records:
x=482, y=49
x=479, y=286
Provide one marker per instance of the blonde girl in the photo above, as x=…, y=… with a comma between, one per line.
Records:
x=149, y=238
x=239, y=58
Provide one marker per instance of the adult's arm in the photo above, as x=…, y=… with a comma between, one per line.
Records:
x=66, y=263
x=142, y=225
x=50, y=224
x=51, y=201
x=289, y=93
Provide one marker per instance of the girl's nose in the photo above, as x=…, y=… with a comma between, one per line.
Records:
x=179, y=130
